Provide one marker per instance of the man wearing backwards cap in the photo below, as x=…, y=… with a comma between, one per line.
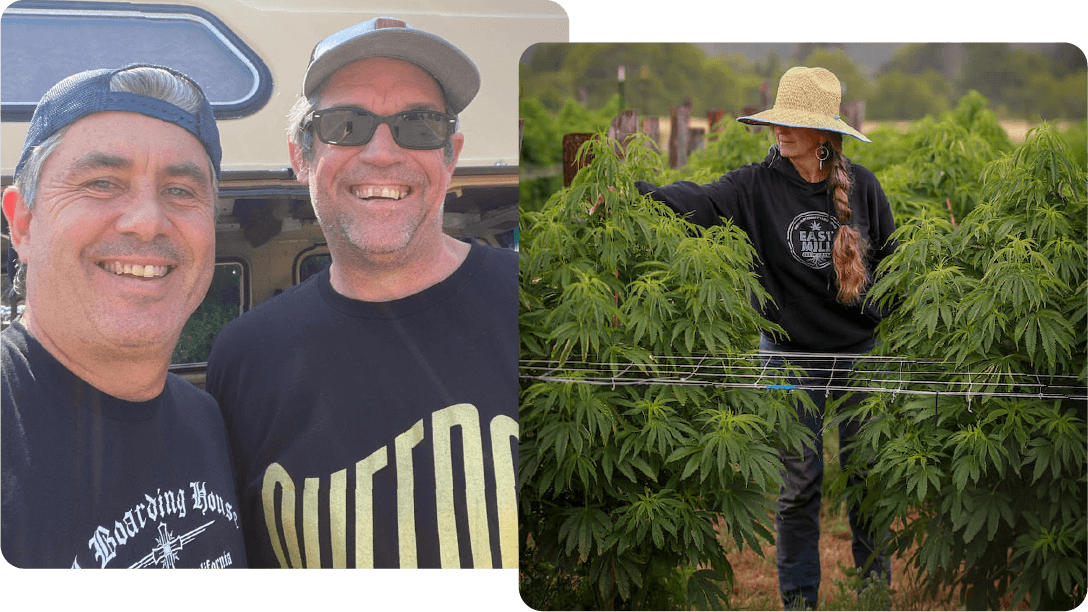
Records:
x=372, y=410
x=108, y=460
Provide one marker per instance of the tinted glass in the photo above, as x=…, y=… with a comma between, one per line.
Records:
x=46, y=42
x=222, y=303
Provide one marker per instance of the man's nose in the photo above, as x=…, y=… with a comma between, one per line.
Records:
x=382, y=148
x=143, y=214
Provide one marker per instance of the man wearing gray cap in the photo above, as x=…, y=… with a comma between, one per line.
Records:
x=108, y=460
x=372, y=410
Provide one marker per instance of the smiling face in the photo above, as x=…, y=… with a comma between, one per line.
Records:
x=378, y=202
x=120, y=243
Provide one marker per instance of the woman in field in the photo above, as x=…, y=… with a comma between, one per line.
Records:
x=820, y=226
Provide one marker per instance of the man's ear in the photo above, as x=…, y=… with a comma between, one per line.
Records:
x=18, y=216
x=458, y=141
x=299, y=163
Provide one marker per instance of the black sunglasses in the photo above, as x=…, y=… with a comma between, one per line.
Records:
x=414, y=129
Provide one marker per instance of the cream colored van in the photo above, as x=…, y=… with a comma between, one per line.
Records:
x=249, y=56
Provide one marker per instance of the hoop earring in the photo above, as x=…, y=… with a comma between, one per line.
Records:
x=822, y=154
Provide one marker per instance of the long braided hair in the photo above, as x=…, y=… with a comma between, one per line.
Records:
x=850, y=249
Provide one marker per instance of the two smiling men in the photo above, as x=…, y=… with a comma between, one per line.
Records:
x=371, y=411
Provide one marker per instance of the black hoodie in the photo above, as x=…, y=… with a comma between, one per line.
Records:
x=792, y=224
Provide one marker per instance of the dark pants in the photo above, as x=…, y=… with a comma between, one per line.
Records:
x=797, y=511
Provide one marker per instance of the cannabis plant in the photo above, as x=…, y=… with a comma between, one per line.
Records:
x=542, y=143
x=940, y=162
x=629, y=469
x=988, y=479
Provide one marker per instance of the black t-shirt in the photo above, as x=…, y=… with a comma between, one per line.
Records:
x=90, y=480
x=377, y=434
x=792, y=224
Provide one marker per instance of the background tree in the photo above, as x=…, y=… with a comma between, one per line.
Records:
x=989, y=69
x=1022, y=81
x=918, y=57
x=901, y=96
x=805, y=50
x=1068, y=59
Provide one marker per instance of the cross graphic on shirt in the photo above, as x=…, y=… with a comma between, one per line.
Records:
x=166, y=553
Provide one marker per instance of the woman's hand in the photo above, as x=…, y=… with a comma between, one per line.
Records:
x=600, y=199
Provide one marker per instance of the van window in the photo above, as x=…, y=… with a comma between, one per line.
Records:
x=6, y=314
x=312, y=264
x=223, y=302
x=45, y=42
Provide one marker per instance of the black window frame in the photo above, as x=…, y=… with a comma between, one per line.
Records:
x=317, y=250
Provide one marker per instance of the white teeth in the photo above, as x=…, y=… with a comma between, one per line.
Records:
x=144, y=271
x=392, y=193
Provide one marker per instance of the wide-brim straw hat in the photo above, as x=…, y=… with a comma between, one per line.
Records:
x=806, y=98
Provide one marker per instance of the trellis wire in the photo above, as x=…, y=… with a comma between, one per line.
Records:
x=871, y=374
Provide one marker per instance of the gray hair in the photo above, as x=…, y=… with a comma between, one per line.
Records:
x=302, y=137
x=17, y=290
x=142, y=80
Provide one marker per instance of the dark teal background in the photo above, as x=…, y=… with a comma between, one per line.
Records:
x=590, y=21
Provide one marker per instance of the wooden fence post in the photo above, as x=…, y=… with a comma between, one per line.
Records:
x=625, y=124
x=571, y=165
x=854, y=114
x=679, y=135
x=695, y=140
x=651, y=126
x=714, y=120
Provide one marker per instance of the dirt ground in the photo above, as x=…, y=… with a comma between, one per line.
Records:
x=756, y=578
x=756, y=586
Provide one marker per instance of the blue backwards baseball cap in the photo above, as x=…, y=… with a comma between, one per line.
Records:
x=89, y=92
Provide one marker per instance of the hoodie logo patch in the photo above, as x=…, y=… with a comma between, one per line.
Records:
x=810, y=235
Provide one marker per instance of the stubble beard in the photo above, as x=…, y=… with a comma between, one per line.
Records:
x=378, y=241
x=370, y=241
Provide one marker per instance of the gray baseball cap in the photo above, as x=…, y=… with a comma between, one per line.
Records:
x=389, y=37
